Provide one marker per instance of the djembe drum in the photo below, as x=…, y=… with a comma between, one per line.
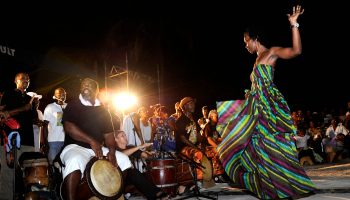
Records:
x=101, y=180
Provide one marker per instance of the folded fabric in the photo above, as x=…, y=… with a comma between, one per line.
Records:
x=18, y=141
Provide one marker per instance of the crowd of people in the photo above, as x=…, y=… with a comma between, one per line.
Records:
x=322, y=137
x=71, y=134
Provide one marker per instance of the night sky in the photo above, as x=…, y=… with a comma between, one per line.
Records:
x=180, y=50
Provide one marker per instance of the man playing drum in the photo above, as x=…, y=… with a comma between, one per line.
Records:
x=190, y=143
x=88, y=127
x=134, y=176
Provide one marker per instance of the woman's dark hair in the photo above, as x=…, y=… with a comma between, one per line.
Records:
x=257, y=32
x=252, y=32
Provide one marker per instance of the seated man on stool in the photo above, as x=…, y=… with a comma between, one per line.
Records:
x=88, y=127
x=134, y=176
x=213, y=138
x=188, y=141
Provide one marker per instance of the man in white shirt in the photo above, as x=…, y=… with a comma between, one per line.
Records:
x=53, y=117
x=138, y=130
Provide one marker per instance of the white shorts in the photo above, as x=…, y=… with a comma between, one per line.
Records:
x=76, y=157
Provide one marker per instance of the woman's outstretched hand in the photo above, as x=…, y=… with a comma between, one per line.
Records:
x=297, y=10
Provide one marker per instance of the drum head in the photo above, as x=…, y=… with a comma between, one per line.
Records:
x=104, y=180
x=29, y=157
x=35, y=163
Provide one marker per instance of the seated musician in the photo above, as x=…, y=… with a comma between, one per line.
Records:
x=138, y=130
x=88, y=128
x=189, y=141
x=213, y=139
x=134, y=176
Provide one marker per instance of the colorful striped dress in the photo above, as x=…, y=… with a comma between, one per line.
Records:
x=258, y=150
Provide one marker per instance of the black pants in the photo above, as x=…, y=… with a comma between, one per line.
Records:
x=141, y=183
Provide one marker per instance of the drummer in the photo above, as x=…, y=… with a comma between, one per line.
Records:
x=213, y=139
x=134, y=176
x=88, y=130
x=138, y=130
x=190, y=143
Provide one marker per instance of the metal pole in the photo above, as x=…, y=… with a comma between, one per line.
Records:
x=159, y=90
x=14, y=150
x=105, y=76
x=127, y=71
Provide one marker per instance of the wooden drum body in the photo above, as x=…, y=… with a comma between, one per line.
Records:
x=36, y=171
x=162, y=172
x=35, y=168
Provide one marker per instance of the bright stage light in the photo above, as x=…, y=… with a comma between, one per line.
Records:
x=124, y=101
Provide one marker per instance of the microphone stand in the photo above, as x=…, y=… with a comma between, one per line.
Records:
x=194, y=166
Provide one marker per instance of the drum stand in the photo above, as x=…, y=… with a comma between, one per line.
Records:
x=194, y=166
x=14, y=152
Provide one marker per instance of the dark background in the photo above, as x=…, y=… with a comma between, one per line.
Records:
x=175, y=50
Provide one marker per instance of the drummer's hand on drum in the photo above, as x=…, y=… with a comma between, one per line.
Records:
x=145, y=145
x=97, y=148
x=152, y=153
x=147, y=154
x=111, y=158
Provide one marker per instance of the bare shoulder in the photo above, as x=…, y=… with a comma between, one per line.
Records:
x=269, y=57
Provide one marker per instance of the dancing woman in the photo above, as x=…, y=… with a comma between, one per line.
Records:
x=258, y=151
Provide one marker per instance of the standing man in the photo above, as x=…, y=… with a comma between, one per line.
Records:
x=89, y=132
x=204, y=119
x=53, y=113
x=21, y=107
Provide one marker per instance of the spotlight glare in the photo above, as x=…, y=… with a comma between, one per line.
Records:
x=124, y=101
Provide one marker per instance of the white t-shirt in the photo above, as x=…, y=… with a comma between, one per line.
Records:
x=128, y=128
x=146, y=131
x=53, y=114
x=330, y=132
x=301, y=142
